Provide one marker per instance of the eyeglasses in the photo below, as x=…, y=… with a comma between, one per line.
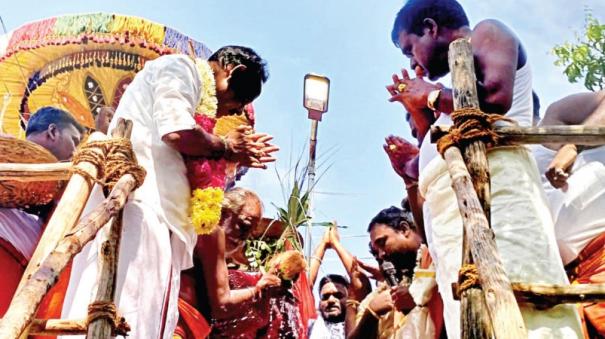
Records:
x=337, y=295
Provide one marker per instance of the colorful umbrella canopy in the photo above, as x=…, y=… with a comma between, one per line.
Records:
x=78, y=63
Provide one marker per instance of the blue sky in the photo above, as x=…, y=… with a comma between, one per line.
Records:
x=350, y=43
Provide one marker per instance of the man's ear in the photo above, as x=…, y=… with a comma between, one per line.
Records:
x=405, y=229
x=430, y=27
x=53, y=132
x=232, y=69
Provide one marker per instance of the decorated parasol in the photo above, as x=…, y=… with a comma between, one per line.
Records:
x=79, y=63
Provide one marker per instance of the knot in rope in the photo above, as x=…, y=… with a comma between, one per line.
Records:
x=468, y=277
x=112, y=158
x=471, y=124
x=108, y=310
x=121, y=160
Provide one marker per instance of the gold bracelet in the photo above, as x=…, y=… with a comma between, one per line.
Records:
x=317, y=258
x=409, y=186
x=371, y=311
x=352, y=303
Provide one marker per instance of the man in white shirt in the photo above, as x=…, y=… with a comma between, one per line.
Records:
x=158, y=239
x=574, y=182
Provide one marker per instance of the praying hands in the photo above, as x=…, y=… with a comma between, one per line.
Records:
x=248, y=148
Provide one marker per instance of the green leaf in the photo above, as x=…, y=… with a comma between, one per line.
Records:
x=584, y=59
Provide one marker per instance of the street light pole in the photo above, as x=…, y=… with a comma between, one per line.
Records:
x=316, y=95
x=311, y=184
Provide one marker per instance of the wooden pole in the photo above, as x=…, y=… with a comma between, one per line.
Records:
x=503, y=310
x=26, y=301
x=474, y=317
x=108, y=258
x=574, y=134
x=35, y=172
x=66, y=214
x=473, y=197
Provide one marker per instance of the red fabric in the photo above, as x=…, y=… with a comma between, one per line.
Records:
x=306, y=301
x=12, y=263
x=249, y=317
x=589, y=268
x=192, y=325
x=52, y=303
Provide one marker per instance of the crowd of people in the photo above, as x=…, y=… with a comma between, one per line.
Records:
x=175, y=281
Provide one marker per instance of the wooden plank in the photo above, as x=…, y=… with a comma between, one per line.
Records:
x=548, y=295
x=55, y=327
x=570, y=134
x=471, y=185
x=35, y=172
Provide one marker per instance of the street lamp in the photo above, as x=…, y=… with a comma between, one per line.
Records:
x=315, y=99
x=317, y=93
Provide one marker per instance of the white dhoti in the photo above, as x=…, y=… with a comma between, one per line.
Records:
x=147, y=278
x=524, y=233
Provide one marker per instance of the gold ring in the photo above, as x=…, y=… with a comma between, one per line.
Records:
x=401, y=87
x=392, y=147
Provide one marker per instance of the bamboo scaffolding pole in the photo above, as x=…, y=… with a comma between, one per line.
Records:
x=55, y=327
x=35, y=172
x=574, y=134
x=66, y=214
x=26, y=301
x=470, y=181
x=108, y=258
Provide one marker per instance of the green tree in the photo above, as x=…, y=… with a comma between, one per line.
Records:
x=585, y=59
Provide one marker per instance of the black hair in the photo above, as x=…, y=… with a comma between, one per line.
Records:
x=394, y=217
x=446, y=13
x=42, y=118
x=333, y=278
x=246, y=85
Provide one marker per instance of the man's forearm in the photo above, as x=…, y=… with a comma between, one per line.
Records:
x=445, y=102
x=367, y=328
x=416, y=206
x=195, y=142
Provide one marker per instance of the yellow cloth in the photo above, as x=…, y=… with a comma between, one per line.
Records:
x=388, y=324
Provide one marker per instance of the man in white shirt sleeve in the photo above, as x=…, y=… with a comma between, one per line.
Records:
x=157, y=239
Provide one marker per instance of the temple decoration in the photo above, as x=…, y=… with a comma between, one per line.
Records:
x=52, y=61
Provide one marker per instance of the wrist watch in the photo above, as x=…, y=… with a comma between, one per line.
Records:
x=432, y=98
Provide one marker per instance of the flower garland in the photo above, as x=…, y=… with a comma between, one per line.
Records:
x=206, y=176
x=208, y=104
